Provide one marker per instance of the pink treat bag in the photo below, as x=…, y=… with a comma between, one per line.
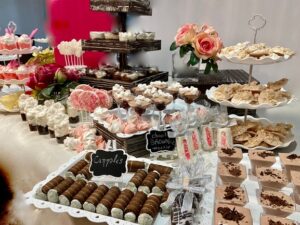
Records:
x=73, y=19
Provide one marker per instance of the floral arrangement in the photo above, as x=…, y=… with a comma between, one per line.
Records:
x=203, y=42
x=52, y=81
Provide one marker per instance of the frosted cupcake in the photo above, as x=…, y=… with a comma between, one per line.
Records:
x=189, y=94
x=140, y=104
x=24, y=42
x=41, y=121
x=61, y=128
x=173, y=89
x=72, y=113
x=22, y=72
x=30, y=115
x=9, y=42
x=22, y=103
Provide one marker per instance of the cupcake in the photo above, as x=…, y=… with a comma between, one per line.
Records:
x=29, y=104
x=139, y=90
x=126, y=97
x=72, y=113
x=24, y=42
x=61, y=128
x=22, y=72
x=149, y=92
x=162, y=99
x=9, y=42
x=173, y=89
x=159, y=84
x=55, y=111
x=30, y=116
x=189, y=94
x=10, y=74
x=140, y=104
x=41, y=121
x=22, y=103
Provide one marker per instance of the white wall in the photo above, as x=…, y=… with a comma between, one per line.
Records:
x=230, y=18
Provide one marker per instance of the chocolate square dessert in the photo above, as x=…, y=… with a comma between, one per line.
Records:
x=232, y=215
x=290, y=162
x=276, y=203
x=231, y=194
x=234, y=155
x=295, y=176
x=260, y=158
x=275, y=220
x=232, y=172
x=271, y=178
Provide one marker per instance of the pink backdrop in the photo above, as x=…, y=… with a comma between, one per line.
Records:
x=68, y=19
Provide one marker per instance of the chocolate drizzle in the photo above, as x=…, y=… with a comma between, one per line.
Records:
x=233, y=169
x=269, y=172
x=276, y=201
x=293, y=156
x=230, y=193
x=265, y=154
x=230, y=214
x=228, y=151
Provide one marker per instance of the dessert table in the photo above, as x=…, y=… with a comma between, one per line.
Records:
x=33, y=157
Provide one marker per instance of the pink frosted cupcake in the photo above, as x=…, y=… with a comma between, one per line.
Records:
x=10, y=74
x=9, y=42
x=24, y=42
x=22, y=72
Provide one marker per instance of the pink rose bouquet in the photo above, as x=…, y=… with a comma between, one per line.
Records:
x=203, y=42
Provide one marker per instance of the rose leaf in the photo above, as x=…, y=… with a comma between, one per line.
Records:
x=173, y=46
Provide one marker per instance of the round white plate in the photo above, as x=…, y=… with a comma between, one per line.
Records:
x=265, y=60
x=210, y=95
x=290, y=139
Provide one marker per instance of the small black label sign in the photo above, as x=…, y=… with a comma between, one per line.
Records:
x=112, y=163
x=160, y=141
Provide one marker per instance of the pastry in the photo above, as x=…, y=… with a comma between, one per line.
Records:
x=160, y=185
x=159, y=168
x=234, y=155
x=271, y=178
x=149, y=182
x=107, y=201
x=132, y=210
x=232, y=215
x=276, y=203
x=66, y=197
x=43, y=191
x=149, y=210
x=74, y=170
x=165, y=208
x=94, y=199
x=231, y=194
x=232, y=172
x=136, y=180
x=83, y=194
x=84, y=173
x=120, y=204
x=260, y=158
x=55, y=192
x=290, y=162
x=134, y=166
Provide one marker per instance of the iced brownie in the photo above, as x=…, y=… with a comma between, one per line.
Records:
x=290, y=162
x=271, y=178
x=231, y=194
x=234, y=155
x=232, y=172
x=276, y=203
x=232, y=215
x=259, y=158
x=275, y=220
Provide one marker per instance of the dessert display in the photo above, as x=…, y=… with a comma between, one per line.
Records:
x=231, y=194
x=232, y=215
x=271, y=178
x=259, y=51
x=256, y=134
x=121, y=199
x=232, y=172
x=252, y=95
x=234, y=155
x=290, y=162
x=260, y=158
x=272, y=220
x=13, y=73
x=276, y=203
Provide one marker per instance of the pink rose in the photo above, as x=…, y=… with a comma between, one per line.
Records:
x=206, y=45
x=209, y=30
x=185, y=34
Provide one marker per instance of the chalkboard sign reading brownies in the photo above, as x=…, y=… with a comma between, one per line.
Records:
x=159, y=141
x=112, y=163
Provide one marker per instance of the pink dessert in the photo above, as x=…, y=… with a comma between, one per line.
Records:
x=24, y=42
x=9, y=42
x=22, y=72
x=10, y=74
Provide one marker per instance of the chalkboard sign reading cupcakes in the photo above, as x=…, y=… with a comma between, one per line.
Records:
x=113, y=163
x=159, y=141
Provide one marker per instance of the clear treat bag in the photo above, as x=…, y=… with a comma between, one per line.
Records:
x=187, y=188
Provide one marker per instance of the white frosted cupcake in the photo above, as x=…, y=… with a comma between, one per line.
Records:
x=24, y=42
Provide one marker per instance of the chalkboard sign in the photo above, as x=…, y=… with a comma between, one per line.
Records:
x=112, y=163
x=159, y=141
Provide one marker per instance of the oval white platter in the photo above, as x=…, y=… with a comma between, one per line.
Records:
x=289, y=140
x=210, y=95
x=21, y=51
x=264, y=60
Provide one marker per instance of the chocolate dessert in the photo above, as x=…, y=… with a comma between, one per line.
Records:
x=290, y=162
x=275, y=220
x=271, y=178
x=232, y=172
x=259, y=158
x=231, y=194
x=234, y=155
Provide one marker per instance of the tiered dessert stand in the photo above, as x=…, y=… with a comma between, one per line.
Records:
x=122, y=8
x=251, y=62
